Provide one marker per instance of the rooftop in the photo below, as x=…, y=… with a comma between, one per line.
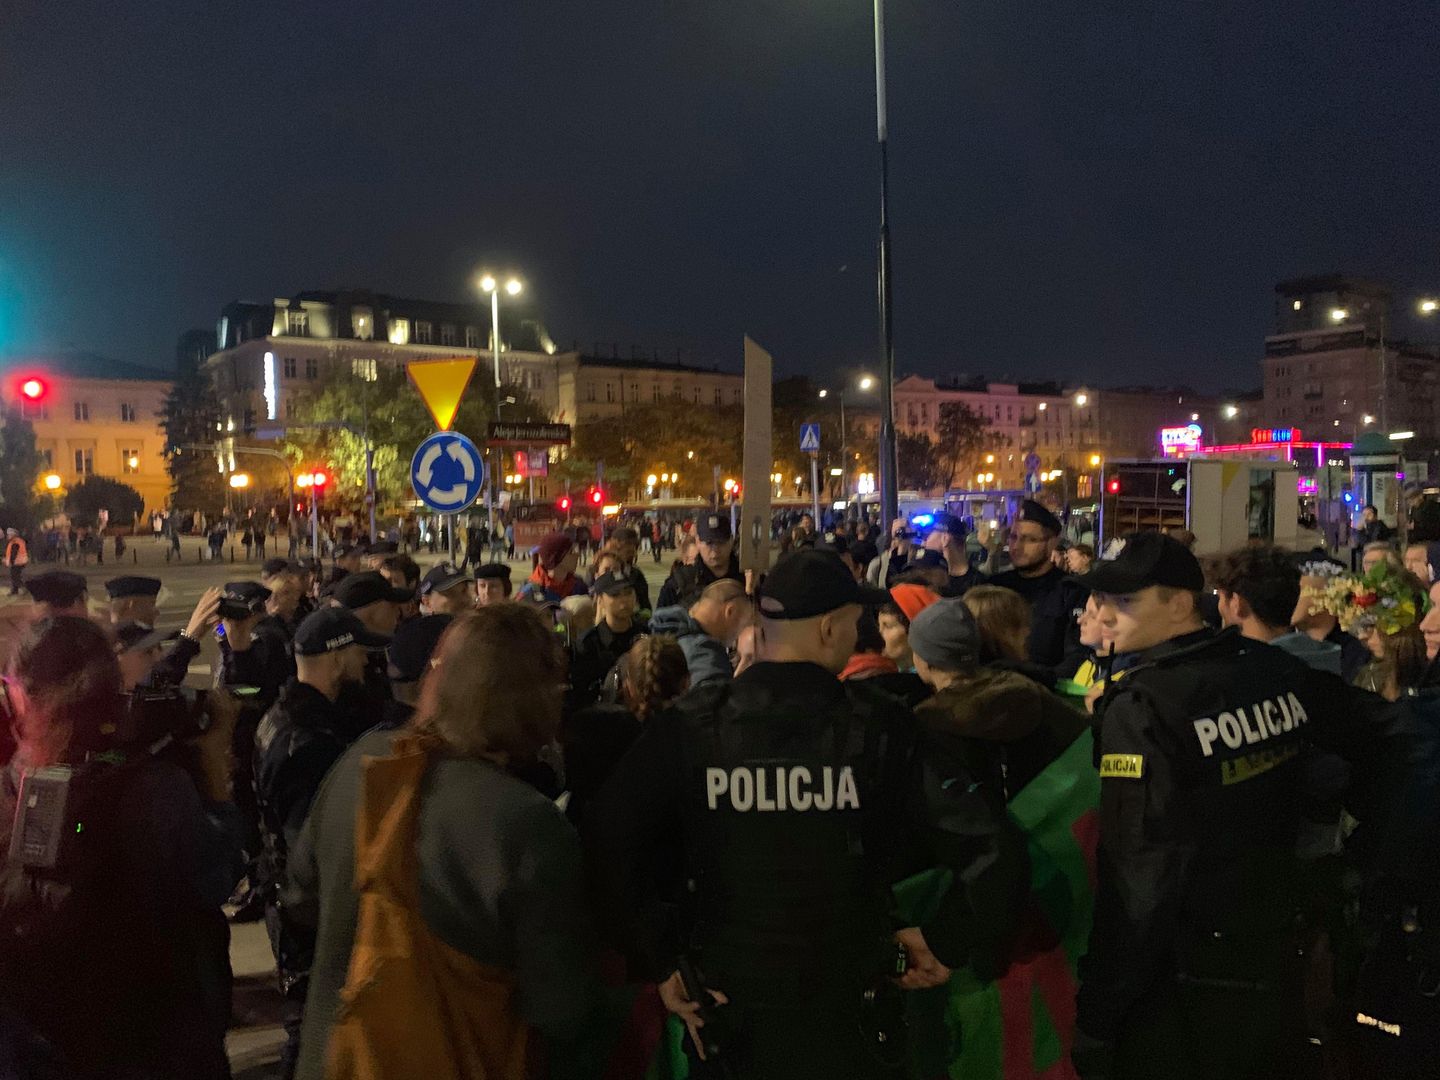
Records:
x=87, y=365
x=642, y=363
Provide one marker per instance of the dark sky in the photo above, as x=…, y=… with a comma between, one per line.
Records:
x=1086, y=190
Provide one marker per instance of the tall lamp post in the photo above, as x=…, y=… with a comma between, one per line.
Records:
x=864, y=383
x=889, y=472
x=491, y=285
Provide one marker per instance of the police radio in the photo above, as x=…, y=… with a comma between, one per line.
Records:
x=48, y=818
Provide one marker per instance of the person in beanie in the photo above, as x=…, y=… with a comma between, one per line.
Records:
x=906, y=601
x=553, y=578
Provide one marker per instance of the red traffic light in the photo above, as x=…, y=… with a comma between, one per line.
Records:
x=1113, y=487
x=33, y=389
x=597, y=496
x=563, y=503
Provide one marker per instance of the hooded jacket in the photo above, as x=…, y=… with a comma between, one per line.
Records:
x=1001, y=727
x=706, y=657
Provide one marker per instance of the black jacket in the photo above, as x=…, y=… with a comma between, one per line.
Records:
x=686, y=583
x=794, y=801
x=1201, y=753
x=1055, y=604
x=268, y=664
x=595, y=654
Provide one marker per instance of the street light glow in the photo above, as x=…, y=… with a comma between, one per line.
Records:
x=1401, y=436
x=824, y=393
x=513, y=286
x=1429, y=307
x=487, y=283
x=1367, y=419
x=1082, y=399
x=52, y=481
x=1232, y=411
x=866, y=382
x=1094, y=461
x=133, y=462
x=1042, y=406
x=651, y=480
x=1338, y=314
x=239, y=480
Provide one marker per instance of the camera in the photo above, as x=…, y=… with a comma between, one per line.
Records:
x=155, y=717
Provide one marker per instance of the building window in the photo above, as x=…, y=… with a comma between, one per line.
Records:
x=399, y=331
x=47, y=459
x=287, y=367
x=697, y=395
x=719, y=396
x=447, y=333
x=424, y=332
x=297, y=323
x=130, y=460
x=290, y=412
x=590, y=391
x=679, y=391
x=364, y=369
x=82, y=410
x=84, y=462
x=127, y=412
x=609, y=393
x=472, y=337
x=635, y=392
x=738, y=395
x=655, y=393
x=363, y=323
x=34, y=410
x=312, y=368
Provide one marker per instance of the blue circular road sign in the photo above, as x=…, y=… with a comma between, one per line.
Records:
x=447, y=472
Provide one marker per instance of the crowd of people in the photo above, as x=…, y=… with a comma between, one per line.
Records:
x=884, y=810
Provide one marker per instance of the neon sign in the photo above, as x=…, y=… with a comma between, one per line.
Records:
x=1275, y=435
x=1175, y=441
x=272, y=393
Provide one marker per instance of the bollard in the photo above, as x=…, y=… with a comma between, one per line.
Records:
x=232, y=553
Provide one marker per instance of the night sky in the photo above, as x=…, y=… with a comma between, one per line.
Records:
x=1090, y=191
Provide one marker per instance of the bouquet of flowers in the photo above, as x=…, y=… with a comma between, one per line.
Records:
x=1380, y=600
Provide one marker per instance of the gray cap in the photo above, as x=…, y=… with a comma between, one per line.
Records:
x=945, y=635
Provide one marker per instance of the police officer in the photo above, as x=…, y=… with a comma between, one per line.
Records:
x=599, y=648
x=791, y=796
x=60, y=592
x=1055, y=599
x=717, y=560
x=447, y=590
x=492, y=584
x=409, y=654
x=133, y=599
x=298, y=740
x=1194, y=968
x=947, y=540
x=376, y=603
x=348, y=558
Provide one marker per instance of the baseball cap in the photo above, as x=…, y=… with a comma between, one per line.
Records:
x=611, y=584
x=1032, y=511
x=946, y=635
x=331, y=629
x=949, y=523
x=120, y=588
x=368, y=587
x=713, y=528
x=412, y=646
x=1148, y=558
x=812, y=582
x=442, y=577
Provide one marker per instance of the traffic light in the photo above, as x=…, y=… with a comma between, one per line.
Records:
x=319, y=479
x=33, y=389
x=597, y=497
x=1113, y=487
x=563, y=504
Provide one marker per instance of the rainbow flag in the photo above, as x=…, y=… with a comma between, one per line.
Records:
x=1021, y=1026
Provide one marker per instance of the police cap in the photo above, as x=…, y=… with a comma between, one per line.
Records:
x=1032, y=511
x=713, y=528
x=412, y=646
x=368, y=587
x=810, y=582
x=121, y=588
x=60, y=588
x=1148, y=558
x=611, y=584
x=331, y=629
x=250, y=593
x=383, y=547
x=442, y=577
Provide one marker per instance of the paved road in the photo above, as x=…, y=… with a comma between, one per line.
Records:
x=255, y=1039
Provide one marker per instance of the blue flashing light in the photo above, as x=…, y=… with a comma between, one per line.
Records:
x=1349, y=497
x=923, y=521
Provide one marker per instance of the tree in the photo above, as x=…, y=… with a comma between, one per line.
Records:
x=662, y=437
x=19, y=467
x=189, y=418
x=919, y=461
x=95, y=493
x=964, y=436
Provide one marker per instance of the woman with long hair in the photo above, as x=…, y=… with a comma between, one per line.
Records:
x=457, y=855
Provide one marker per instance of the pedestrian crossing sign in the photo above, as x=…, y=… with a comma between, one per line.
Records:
x=810, y=438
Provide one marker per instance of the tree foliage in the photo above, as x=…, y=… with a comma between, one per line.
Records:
x=919, y=461
x=19, y=467
x=963, y=438
x=189, y=418
x=662, y=437
x=95, y=493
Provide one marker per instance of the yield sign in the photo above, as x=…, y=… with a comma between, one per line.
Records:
x=441, y=384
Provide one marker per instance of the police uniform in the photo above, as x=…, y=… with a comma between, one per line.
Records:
x=57, y=589
x=298, y=739
x=794, y=801
x=1195, y=967
x=132, y=586
x=365, y=704
x=686, y=583
x=1055, y=599
x=600, y=648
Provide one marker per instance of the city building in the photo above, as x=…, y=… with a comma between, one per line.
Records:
x=1333, y=370
x=1066, y=428
x=93, y=416
x=272, y=355
x=598, y=388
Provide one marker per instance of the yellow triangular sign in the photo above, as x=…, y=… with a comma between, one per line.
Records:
x=441, y=384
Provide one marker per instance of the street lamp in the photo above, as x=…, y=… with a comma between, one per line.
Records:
x=1232, y=411
x=1081, y=400
x=52, y=481
x=1429, y=306
x=864, y=383
x=1339, y=314
x=489, y=284
x=239, y=480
